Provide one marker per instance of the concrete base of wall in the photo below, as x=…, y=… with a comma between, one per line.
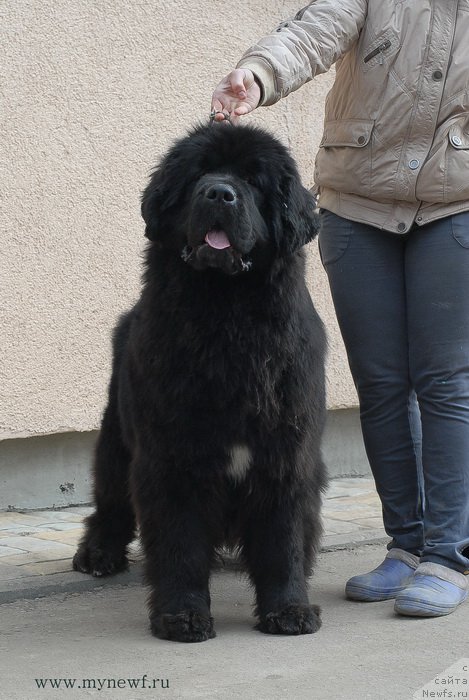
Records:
x=54, y=470
x=343, y=448
x=46, y=472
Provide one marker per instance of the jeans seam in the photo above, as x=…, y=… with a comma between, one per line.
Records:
x=455, y=235
x=342, y=252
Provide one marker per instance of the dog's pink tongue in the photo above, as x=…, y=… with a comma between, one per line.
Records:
x=217, y=239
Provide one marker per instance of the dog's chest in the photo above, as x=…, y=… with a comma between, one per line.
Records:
x=240, y=463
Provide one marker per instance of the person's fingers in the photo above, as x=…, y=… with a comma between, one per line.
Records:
x=223, y=102
x=220, y=117
x=243, y=109
x=233, y=86
x=217, y=106
x=237, y=80
x=237, y=94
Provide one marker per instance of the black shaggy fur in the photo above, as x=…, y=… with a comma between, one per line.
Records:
x=212, y=432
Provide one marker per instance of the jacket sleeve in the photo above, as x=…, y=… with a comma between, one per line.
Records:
x=304, y=46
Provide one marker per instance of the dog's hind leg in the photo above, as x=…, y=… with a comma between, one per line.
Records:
x=108, y=531
x=312, y=522
x=111, y=527
x=273, y=547
x=103, y=548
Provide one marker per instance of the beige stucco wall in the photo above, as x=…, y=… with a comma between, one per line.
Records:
x=91, y=93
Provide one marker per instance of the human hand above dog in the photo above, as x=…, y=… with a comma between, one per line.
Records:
x=237, y=94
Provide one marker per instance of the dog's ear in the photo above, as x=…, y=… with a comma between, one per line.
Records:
x=164, y=190
x=150, y=207
x=295, y=221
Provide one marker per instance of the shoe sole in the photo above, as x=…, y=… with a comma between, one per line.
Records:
x=370, y=595
x=421, y=608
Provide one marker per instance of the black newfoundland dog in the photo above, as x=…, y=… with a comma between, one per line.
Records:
x=211, y=436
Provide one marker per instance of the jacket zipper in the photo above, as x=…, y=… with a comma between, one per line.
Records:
x=379, y=50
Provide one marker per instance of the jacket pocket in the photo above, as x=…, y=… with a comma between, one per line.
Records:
x=379, y=51
x=459, y=137
x=344, y=160
x=347, y=132
x=444, y=177
x=457, y=163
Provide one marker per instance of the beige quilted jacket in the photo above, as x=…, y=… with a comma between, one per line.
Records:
x=395, y=147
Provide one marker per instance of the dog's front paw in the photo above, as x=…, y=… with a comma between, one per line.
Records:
x=294, y=619
x=93, y=560
x=187, y=626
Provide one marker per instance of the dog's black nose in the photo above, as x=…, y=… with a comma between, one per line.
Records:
x=222, y=193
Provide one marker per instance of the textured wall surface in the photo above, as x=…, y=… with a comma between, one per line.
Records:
x=91, y=93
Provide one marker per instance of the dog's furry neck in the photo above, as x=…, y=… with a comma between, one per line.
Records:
x=165, y=265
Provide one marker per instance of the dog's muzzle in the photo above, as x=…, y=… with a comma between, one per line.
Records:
x=226, y=259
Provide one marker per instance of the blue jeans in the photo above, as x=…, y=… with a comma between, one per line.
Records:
x=402, y=303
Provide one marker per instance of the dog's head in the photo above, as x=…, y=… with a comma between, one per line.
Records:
x=226, y=197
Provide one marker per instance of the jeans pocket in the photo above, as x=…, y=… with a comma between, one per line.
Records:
x=460, y=228
x=334, y=237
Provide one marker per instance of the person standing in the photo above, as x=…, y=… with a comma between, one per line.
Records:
x=392, y=176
